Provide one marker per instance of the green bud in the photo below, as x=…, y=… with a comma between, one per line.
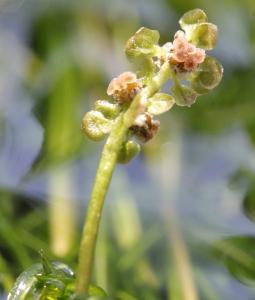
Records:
x=109, y=110
x=184, y=95
x=208, y=76
x=142, y=43
x=192, y=17
x=128, y=151
x=160, y=103
x=95, y=125
x=203, y=35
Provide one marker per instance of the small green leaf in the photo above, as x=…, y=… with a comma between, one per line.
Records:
x=160, y=103
x=203, y=35
x=142, y=43
x=109, y=110
x=184, y=95
x=128, y=151
x=192, y=17
x=95, y=125
x=208, y=75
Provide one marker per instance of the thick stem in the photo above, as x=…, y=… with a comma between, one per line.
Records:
x=104, y=174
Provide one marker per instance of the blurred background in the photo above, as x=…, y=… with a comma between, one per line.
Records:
x=179, y=219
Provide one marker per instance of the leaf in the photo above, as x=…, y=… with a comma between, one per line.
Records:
x=238, y=255
x=95, y=125
x=184, y=95
x=208, y=76
x=160, y=103
x=192, y=17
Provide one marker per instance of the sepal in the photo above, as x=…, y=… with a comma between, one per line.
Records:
x=160, y=103
x=208, y=75
x=192, y=17
x=184, y=95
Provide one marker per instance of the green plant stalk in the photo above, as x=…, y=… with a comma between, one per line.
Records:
x=104, y=174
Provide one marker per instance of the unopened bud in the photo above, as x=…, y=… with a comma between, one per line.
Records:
x=95, y=125
x=109, y=110
x=128, y=151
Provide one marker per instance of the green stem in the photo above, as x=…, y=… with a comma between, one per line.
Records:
x=104, y=174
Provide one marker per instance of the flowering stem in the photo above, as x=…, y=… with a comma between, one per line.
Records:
x=104, y=174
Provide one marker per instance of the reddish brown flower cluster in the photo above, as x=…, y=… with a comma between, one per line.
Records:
x=145, y=128
x=124, y=87
x=184, y=54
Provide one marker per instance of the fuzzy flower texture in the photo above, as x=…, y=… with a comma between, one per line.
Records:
x=184, y=54
x=124, y=88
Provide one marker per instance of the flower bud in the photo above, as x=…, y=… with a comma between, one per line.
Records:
x=109, y=110
x=95, y=125
x=124, y=87
x=208, y=76
x=184, y=95
x=128, y=151
x=145, y=128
